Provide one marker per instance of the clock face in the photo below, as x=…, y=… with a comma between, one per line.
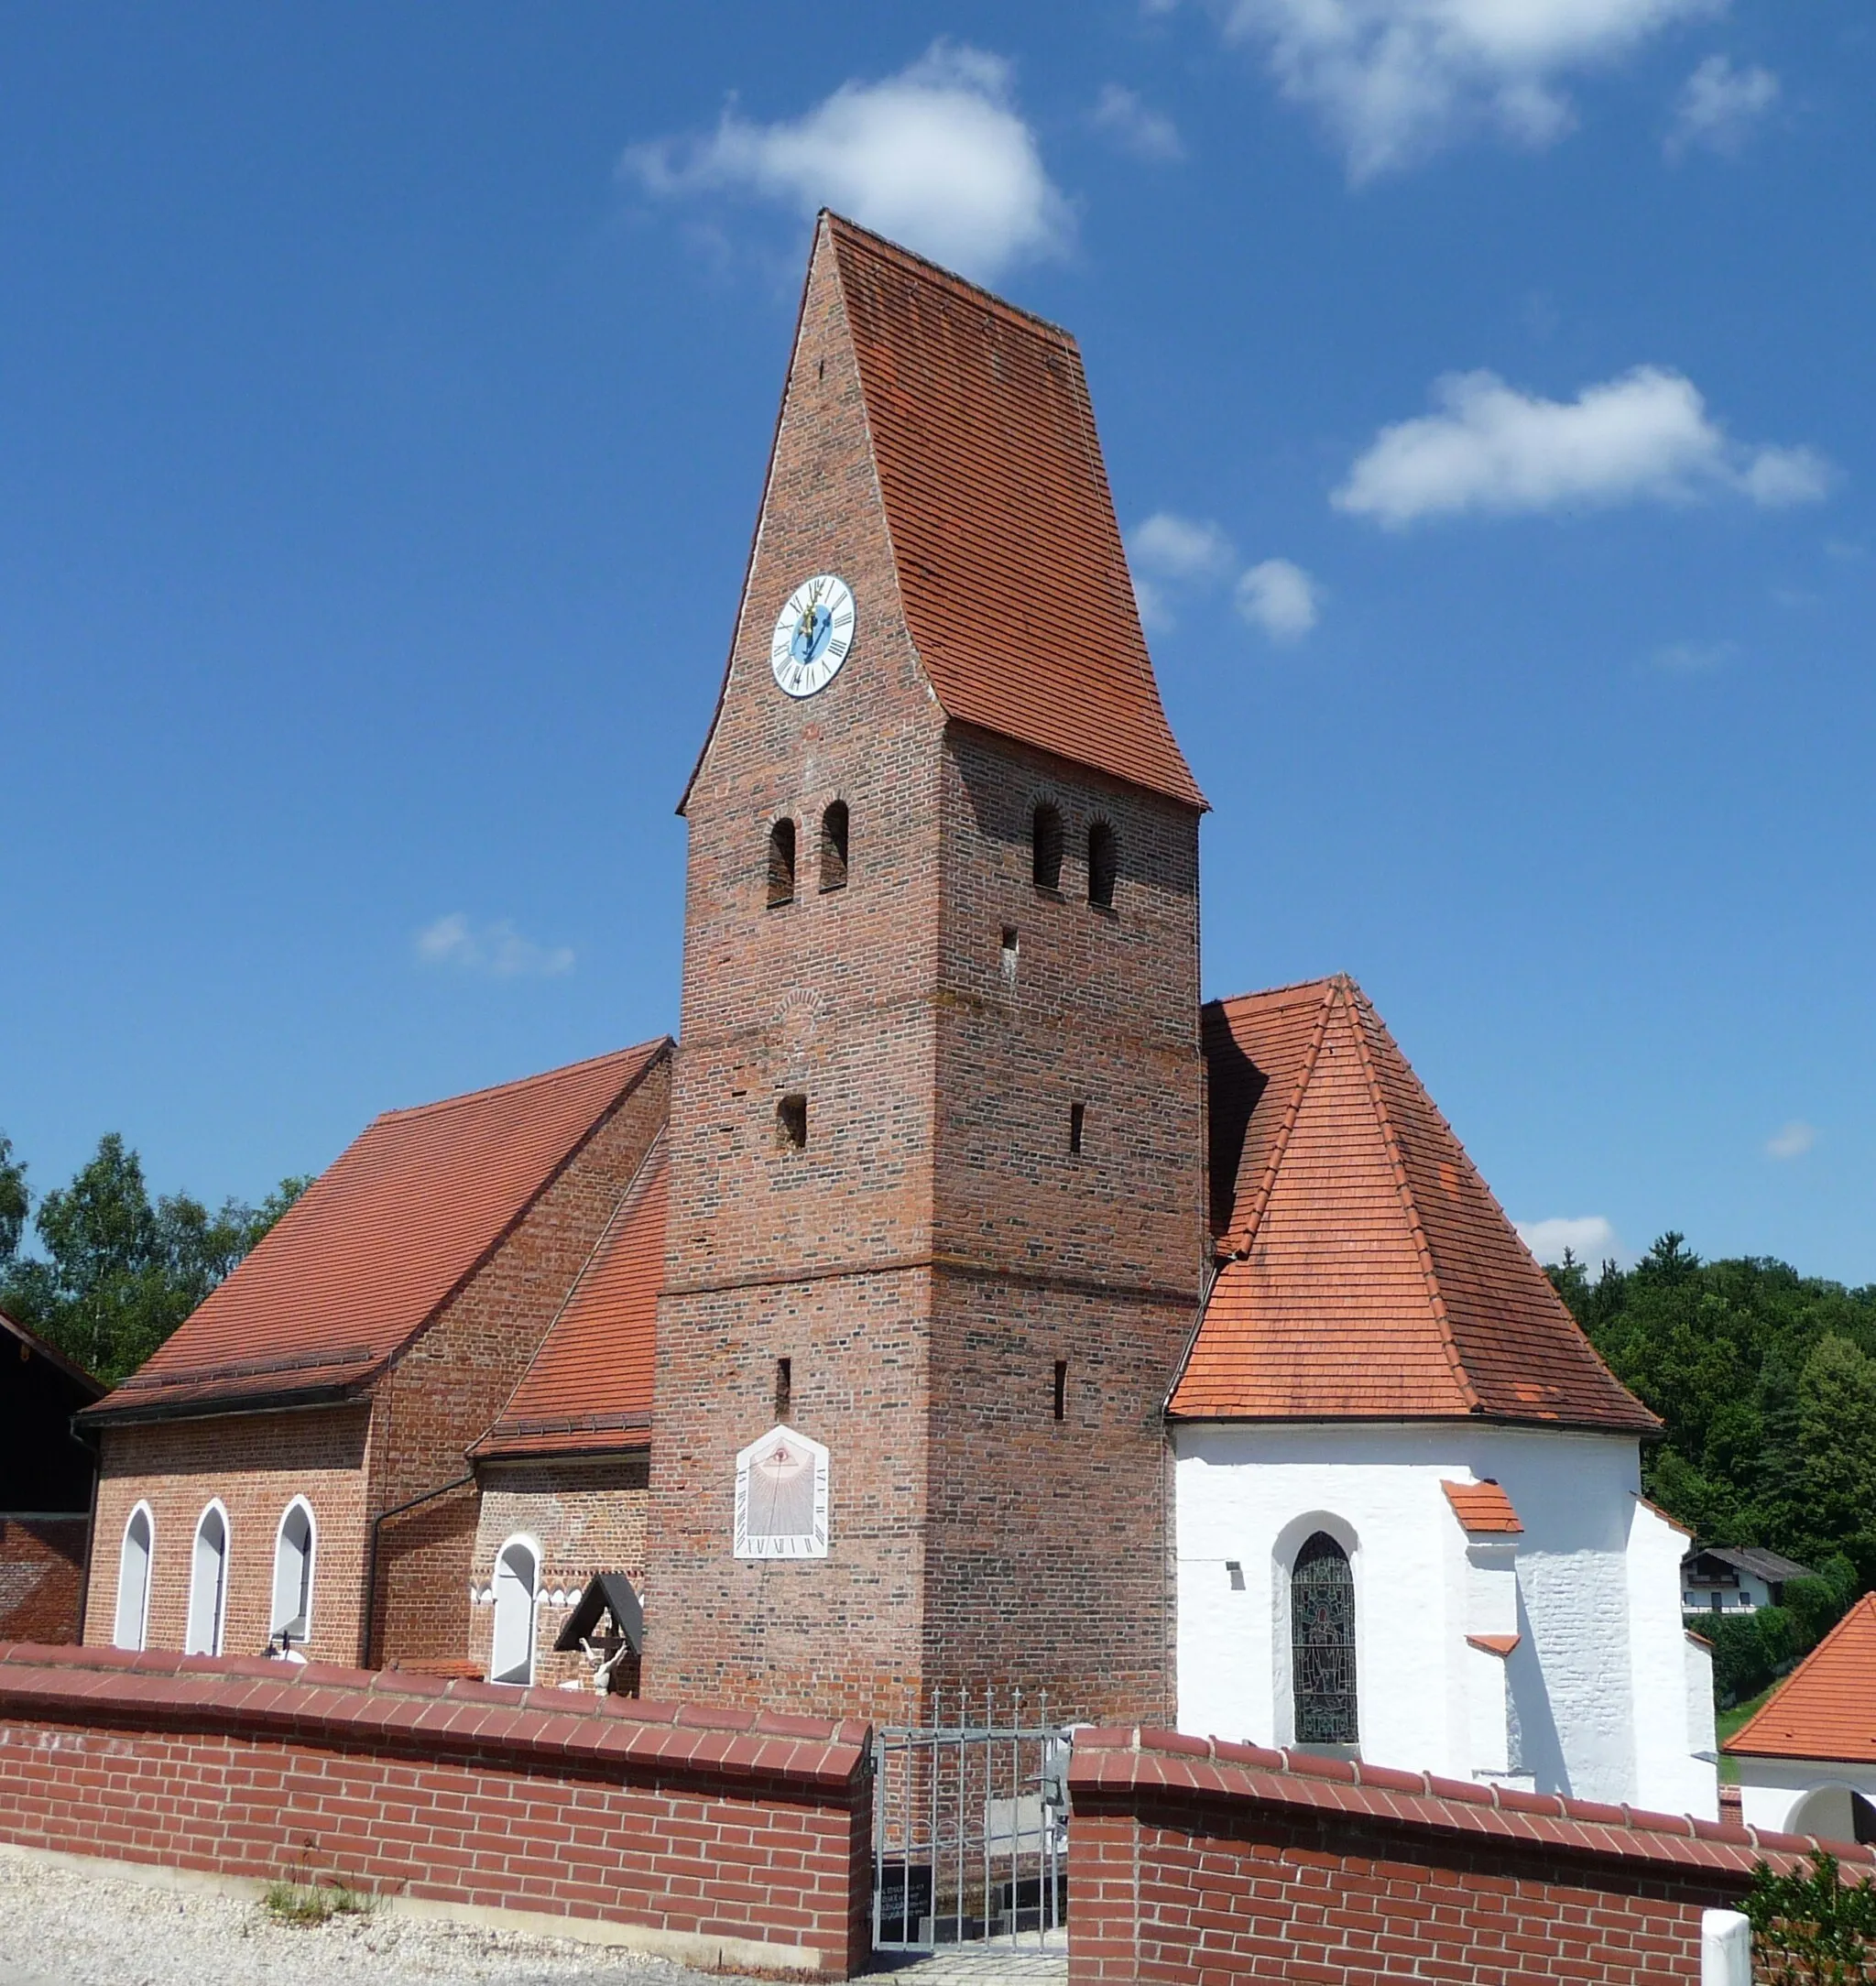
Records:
x=813, y=634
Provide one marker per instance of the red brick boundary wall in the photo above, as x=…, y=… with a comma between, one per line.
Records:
x=1202, y=1861
x=720, y=1836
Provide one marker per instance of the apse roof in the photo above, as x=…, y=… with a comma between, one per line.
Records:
x=590, y=1384
x=1368, y=1271
x=1827, y=1708
x=365, y=1257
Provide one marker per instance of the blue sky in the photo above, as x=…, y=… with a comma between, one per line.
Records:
x=1486, y=387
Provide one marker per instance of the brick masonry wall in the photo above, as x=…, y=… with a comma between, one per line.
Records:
x=729, y=1839
x=41, y=1577
x=1194, y=1860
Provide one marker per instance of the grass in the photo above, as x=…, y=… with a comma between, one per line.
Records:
x=307, y=1904
x=1728, y=1721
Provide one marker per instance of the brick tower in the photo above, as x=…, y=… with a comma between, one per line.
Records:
x=936, y=1178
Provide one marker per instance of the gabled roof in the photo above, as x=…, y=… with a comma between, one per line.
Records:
x=590, y=1384
x=1772, y=1567
x=40, y=1349
x=1827, y=1708
x=1368, y=1271
x=372, y=1249
x=1482, y=1507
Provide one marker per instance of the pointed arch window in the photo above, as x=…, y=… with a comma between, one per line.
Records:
x=1045, y=847
x=782, y=864
x=833, y=832
x=292, y=1619
x=132, y=1624
x=1322, y=1643
x=516, y=1578
x=1103, y=865
x=208, y=1584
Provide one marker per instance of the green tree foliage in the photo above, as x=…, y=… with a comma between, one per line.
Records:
x=1811, y=1928
x=118, y=1271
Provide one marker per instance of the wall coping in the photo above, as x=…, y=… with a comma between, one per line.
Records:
x=1108, y=1761
x=322, y=1703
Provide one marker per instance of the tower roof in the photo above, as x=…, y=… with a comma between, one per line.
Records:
x=1827, y=1708
x=1369, y=1272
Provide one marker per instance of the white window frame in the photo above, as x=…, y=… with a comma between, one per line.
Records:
x=192, y=1642
x=304, y=1614
x=519, y=1674
x=135, y=1634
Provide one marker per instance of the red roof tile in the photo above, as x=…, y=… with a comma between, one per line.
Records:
x=1482, y=1507
x=367, y=1254
x=590, y=1384
x=1827, y=1708
x=1371, y=1273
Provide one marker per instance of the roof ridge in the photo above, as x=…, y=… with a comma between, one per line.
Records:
x=892, y=251
x=1864, y=1605
x=1320, y=981
x=1410, y=1205
x=518, y=1082
x=1280, y=1144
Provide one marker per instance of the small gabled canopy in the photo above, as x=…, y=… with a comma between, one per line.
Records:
x=1482, y=1508
x=373, y=1249
x=1827, y=1708
x=1367, y=1273
x=606, y=1592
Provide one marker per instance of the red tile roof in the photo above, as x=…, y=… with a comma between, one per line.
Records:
x=1482, y=1507
x=590, y=1385
x=361, y=1261
x=1827, y=1708
x=1369, y=1272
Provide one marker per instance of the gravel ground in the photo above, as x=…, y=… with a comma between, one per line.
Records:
x=68, y=1927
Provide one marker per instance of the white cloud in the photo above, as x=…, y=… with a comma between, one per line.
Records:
x=1396, y=79
x=1147, y=133
x=1718, y=105
x=1646, y=436
x=1694, y=657
x=1792, y=1141
x=1180, y=548
x=1590, y=1238
x=936, y=157
x=495, y=949
x=1279, y=597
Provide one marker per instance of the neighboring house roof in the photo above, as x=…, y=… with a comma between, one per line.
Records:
x=590, y=1384
x=1772, y=1567
x=372, y=1249
x=1482, y=1507
x=1827, y=1708
x=1370, y=1272
x=1010, y=567
x=40, y=1349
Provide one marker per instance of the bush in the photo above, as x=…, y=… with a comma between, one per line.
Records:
x=1811, y=1929
x=1748, y=1651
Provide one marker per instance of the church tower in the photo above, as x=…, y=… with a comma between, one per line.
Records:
x=937, y=1215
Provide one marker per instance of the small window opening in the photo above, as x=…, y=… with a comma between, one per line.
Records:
x=784, y=1387
x=1234, y=1572
x=833, y=846
x=1077, y=1126
x=791, y=1123
x=1103, y=865
x=782, y=864
x=1062, y=1389
x=1045, y=845
x=1009, y=955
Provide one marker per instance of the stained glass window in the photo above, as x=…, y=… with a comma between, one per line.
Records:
x=1322, y=1642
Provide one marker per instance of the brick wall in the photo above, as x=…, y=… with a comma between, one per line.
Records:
x=723, y=1838
x=1197, y=1861
x=41, y=1577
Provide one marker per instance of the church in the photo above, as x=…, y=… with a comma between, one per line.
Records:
x=958, y=1301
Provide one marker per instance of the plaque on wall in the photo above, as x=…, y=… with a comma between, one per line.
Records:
x=782, y=1497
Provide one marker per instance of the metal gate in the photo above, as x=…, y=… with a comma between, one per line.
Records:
x=970, y=1824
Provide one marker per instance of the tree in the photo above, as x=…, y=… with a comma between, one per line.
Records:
x=15, y=1201
x=1837, y=1436
x=119, y=1273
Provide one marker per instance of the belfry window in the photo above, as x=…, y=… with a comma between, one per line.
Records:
x=833, y=846
x=791, y=1123
x=1322, y=1643
x=1045, y=847
x=1103, y=865
x=134, y=1581
x=208, y=1584
x=782, y=864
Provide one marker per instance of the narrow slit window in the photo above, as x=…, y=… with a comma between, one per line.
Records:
x=1007, y=957
x=833, y=846
x=1103, y=865
x=1077, y=1126
x=782, y=864
x=1062, y=1389
x=784, y=1387
x=1045, y=847
x=791, y=1123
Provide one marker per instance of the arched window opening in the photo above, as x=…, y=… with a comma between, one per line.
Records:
x=1045, y=847
x=516, y=1569
x=1322, y=1643
x=291, y=1620
x=782, y=864
x=208, y=1584
x=1103, y=865
x=133, y=1619
x=833, y=846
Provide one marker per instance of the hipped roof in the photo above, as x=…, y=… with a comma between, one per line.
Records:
x=1367, y=1272
x=1827, y=1708
x=380, y=1241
